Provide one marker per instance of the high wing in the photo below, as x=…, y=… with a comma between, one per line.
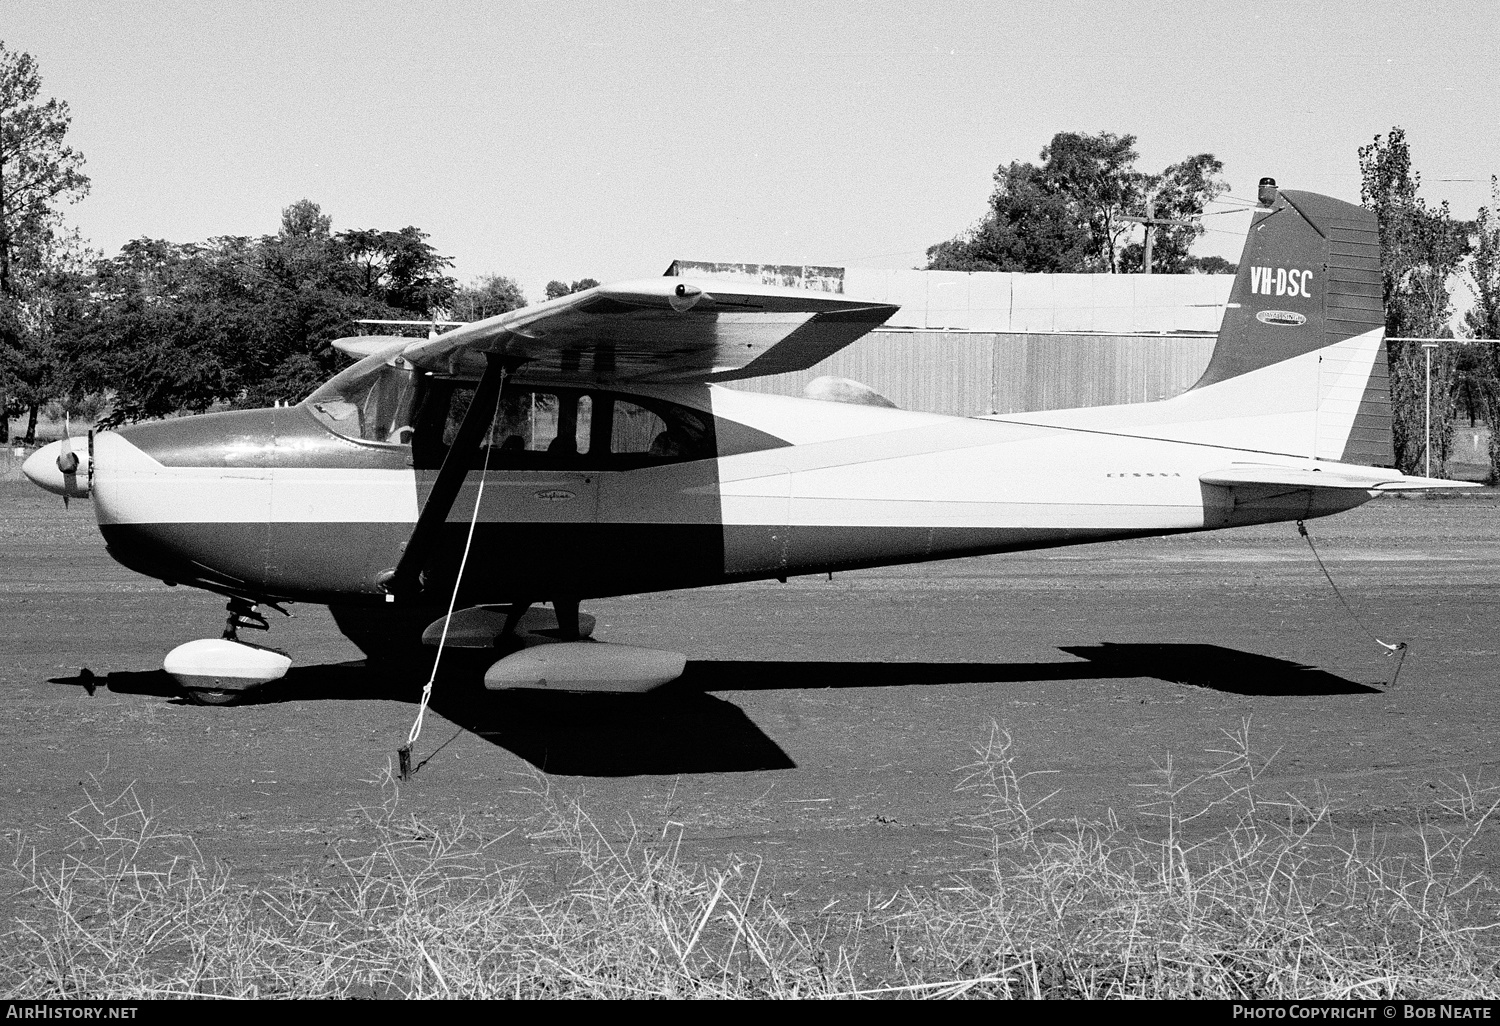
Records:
x=658, y=329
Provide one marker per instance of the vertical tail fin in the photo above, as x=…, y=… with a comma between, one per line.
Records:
x=1309, y=290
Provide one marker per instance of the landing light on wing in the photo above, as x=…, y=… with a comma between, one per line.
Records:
x=684, y=297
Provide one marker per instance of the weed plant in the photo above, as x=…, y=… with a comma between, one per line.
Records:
x=1280, y=903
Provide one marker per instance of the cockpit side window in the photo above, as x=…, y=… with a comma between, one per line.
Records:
x=563, y=428
x=370, y=401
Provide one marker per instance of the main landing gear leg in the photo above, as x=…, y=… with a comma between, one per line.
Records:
x=567, y=618
x=512, y=621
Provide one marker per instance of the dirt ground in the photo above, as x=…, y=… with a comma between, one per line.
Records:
x=821, y=725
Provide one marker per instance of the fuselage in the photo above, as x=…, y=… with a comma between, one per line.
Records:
x=594, y=492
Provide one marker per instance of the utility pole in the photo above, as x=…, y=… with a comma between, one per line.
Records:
x=1429, y=345
x=1427, y=348
x=1151, y=221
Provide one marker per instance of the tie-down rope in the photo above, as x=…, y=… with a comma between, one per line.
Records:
x=403, y=754
x=1398, y=649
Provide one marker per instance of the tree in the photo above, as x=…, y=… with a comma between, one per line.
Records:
x=1482, y=320
x=156, y=336
x=400, y=269
x=485, y=297
x=1031, y=226
x=37, y=171
x=1064, y=215
x=1210, y=265
x=1097, y=174
x=305, y=220
x=1180, y=193
x=556, y=289
x=1420, y=249
x=48, y=292
x=247, y=322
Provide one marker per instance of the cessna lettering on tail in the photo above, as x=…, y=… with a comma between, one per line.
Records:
x=1278, y=281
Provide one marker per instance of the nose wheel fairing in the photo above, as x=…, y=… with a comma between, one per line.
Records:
x=220, y=671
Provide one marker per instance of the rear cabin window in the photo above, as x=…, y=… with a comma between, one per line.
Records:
x=563, y=428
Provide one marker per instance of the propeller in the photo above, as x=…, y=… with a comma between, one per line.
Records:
x=69, y=463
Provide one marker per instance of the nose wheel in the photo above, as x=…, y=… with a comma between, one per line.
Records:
x=211, y=696
x=220, y=671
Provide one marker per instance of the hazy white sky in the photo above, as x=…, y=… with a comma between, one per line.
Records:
x=549, y=140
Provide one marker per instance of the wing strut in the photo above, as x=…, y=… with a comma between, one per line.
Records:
x=406, y=578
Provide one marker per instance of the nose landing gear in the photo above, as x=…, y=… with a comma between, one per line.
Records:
x=220, y=671
x=243, y=614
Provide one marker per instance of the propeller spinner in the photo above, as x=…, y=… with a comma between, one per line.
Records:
x=60, y=469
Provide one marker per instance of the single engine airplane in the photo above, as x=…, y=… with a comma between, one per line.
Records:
x=584, y=447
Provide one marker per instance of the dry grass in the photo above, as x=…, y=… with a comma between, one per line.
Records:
x=1278, y=904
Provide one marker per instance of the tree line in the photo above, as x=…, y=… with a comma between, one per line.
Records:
x=1424, y=250
x=163, y=327
x=1071, y=214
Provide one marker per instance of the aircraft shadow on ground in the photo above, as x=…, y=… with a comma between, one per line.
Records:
x=1205, y=666
x=1216, y=668
x=600, y=735
x=683, y=728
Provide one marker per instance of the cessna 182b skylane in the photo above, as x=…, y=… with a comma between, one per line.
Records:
x=581, y=448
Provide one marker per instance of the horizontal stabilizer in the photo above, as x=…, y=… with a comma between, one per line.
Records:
x=1365, y=479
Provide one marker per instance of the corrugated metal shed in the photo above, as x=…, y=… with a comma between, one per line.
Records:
x=1046, y=303
x=966, y=374
x=1005, y=302
x=971, y=343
